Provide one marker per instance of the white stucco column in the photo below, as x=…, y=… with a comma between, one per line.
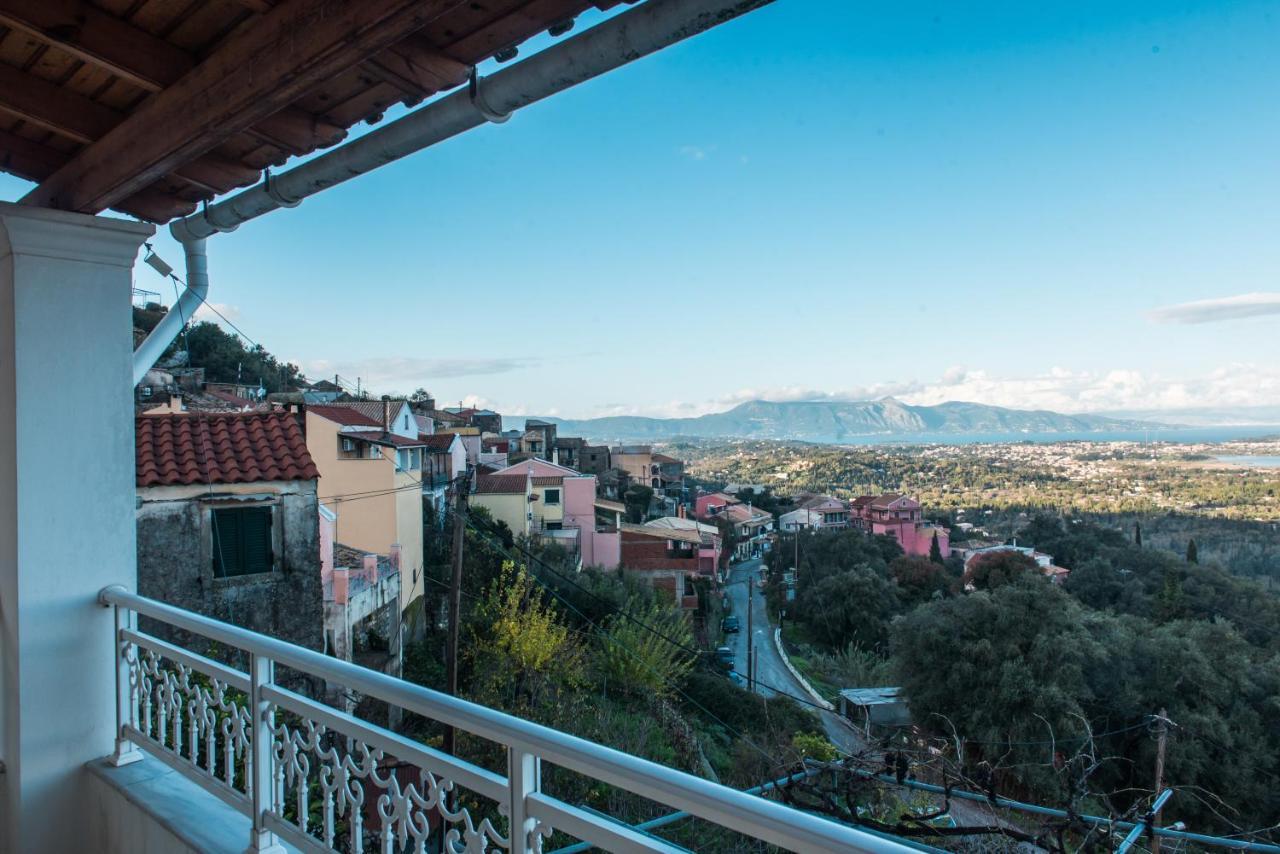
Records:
x=66, y=508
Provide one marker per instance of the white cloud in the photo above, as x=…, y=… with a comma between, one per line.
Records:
x=1224, y=308
x=1058, y=389
x=210, y=312
x=696, y=152
x=405, y=374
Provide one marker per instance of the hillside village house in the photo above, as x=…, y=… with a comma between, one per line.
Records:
x=753, y=527
x=370, y=459
x=562, y=509
x=444, y=458
x=899, y=517
x=815, y=512
x=973, y=556
x=362, y=614
x=664, y=558
x=508, y=498
x=152, y=109
x=227, y=520
x=662, y=473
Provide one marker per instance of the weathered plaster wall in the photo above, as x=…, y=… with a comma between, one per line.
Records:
x=175, y=560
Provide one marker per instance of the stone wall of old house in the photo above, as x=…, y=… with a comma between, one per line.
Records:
x=175, y=560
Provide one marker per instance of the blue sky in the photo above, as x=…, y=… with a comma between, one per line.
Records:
x=1007, y=202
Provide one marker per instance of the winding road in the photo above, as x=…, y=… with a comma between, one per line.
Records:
x=774, y=677
x=772, y=674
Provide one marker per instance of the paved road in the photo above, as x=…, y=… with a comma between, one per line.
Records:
x=772, y=675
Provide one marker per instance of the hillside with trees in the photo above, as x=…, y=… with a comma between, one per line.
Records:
x=1053, y=693
x=224, y=356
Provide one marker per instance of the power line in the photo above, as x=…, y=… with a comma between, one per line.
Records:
x=611, y=639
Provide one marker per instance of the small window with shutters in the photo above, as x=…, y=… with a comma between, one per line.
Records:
x=242, y=541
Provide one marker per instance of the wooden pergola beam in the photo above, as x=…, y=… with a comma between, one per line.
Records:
x=295, y=46
x=35, y=162
x=151, y=63
x=99, y=39
x=83, y=120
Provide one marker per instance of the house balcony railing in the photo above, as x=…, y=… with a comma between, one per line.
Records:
x=269, y=752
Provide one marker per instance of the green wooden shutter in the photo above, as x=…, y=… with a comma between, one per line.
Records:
x=242, y=541
x=255, y=539
x=226, y=543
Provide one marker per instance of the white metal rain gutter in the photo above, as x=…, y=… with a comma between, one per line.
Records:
x=151, y=349
x=617, y=41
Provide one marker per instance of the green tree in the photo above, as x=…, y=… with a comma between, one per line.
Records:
x=935, y=549
x=853, y=606
x=637, y=499
x=995, y=569
x=646, y=653
x=1192, y=556
x=919, y=580
x=523, y=657
x=1137, y=534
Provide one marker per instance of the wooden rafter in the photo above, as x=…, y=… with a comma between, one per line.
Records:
x=146, y=61
x=295, y=46
x=35, y=162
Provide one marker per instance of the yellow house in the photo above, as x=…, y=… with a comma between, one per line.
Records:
x=373, y=483
x=508, y=498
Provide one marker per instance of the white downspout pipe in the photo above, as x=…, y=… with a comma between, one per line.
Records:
x=626, y=37
x=150, y=350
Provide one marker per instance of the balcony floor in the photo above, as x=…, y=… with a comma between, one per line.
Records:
x=148, y=808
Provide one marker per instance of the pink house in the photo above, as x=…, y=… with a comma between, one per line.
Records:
x=708, y=505
x=899, y=517
x=575, y=509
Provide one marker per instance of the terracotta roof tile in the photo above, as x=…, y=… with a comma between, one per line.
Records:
x=345, y=415
x=501, y=484
x=548, y=480
x=232, y=448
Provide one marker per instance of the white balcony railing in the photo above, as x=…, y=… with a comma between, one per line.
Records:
x=269, y=752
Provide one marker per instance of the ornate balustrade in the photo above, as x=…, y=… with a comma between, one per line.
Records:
x=323, y=780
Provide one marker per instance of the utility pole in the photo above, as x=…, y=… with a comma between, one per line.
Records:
x=1162, y=738
x=455, y=603
x=751, y=644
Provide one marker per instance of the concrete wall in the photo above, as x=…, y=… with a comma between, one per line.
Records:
x=175, y=558
x=511, y=509
x=408, y=508
x=368, y=523
x=66, y=508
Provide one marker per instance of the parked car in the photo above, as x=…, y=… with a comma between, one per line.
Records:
x=723, y=657
x=730, y=624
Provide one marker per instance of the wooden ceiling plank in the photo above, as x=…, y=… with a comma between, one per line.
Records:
x=295, y=46
x=417, y=60
x=51, y=106
x=78, y=118
x=94, y=36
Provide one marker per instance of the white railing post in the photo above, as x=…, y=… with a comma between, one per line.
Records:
x=524, y=777
x=126, y=751
x=258, y=772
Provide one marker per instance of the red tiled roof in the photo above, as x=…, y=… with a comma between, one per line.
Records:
x=378, y=437
x=233, y=448
x=548, y=480
x=438, y=441
x=345, y=415
x=500, y=484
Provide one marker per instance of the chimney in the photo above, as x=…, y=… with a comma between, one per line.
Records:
x=680, y=511
x=555, y=456
x=371, y=569
x=386, y=414
x=340, y=581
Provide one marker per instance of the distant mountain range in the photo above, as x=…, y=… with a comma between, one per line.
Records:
x=855, y=421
